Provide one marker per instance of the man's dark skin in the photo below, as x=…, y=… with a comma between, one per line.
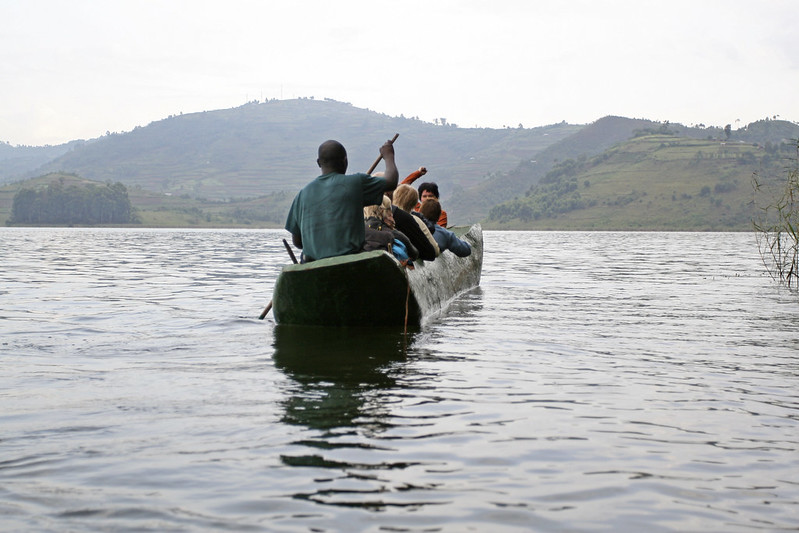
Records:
x=333, y=158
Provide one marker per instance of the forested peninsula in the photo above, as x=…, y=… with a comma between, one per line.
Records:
x=85, y=204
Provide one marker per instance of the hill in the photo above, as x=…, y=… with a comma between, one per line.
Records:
x=242, y=166
x=651, y=182
x=594, y=139
x=17, y=161
x=262, y=148
x=500, y=186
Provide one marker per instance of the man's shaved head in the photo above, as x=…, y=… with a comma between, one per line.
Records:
x=332, y=157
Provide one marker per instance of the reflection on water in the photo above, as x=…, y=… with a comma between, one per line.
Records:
x=340, y=382
x=349, y=391
x=336, y=372
x=594, y=382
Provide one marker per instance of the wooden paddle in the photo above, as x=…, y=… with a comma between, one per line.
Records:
x=266, y=310
x=290, y=251
x=377, y=161
x=293, y=258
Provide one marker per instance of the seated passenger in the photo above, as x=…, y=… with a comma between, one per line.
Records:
x=377, y=235
x=446, y=239
x=405, y=197
x=381, y=233
x=426, y=190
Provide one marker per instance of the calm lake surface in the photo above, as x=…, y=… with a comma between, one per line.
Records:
x=594, y=382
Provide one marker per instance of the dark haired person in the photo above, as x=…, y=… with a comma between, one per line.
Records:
x=426, y=191
x=326, y=217
x=445, y=239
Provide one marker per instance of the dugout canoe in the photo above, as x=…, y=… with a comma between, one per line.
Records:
x=373, y=288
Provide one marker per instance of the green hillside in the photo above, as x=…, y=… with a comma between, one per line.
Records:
x=501, y=186
x=594, y=139
x=262, y=148
x=651, y=182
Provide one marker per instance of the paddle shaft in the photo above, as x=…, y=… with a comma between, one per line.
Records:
x=377, y=161
x=289, y=250
x=293, y=258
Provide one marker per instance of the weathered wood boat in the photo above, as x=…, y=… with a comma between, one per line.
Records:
x=374, y=289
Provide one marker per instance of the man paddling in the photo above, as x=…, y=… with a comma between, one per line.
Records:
x=326, y=217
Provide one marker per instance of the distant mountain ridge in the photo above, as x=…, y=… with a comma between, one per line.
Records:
x=16, y=162
x=269, y=148
x=595, y=139
x=261, y=148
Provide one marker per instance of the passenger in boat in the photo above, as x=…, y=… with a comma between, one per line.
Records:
x=431, y=227
x=405, y=197
x=326, y=217
x=446, y=239
x=426, y=190
x=381, y=232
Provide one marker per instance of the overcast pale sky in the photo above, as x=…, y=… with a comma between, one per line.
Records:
x=74, y=69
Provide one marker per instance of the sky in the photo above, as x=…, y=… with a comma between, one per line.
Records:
x=76, y=69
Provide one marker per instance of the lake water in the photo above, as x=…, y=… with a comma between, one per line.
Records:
x=594, y=382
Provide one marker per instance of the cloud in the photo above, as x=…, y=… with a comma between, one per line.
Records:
x=98, y=66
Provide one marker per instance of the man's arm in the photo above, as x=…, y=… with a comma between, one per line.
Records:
x=460, y=248
x=391, y=174
x=292, y=224
x=455, y=245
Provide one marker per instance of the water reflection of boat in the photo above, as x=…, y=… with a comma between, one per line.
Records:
x=344, y=391
x=372, y=288
x=336, y=372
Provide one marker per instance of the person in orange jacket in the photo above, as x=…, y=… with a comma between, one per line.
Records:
x=427, y=190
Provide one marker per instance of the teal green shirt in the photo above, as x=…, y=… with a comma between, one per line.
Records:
x=328, y=213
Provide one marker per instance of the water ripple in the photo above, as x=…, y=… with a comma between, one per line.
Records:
x=593, y=382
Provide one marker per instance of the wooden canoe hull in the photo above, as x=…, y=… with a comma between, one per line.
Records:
x=374, y=289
